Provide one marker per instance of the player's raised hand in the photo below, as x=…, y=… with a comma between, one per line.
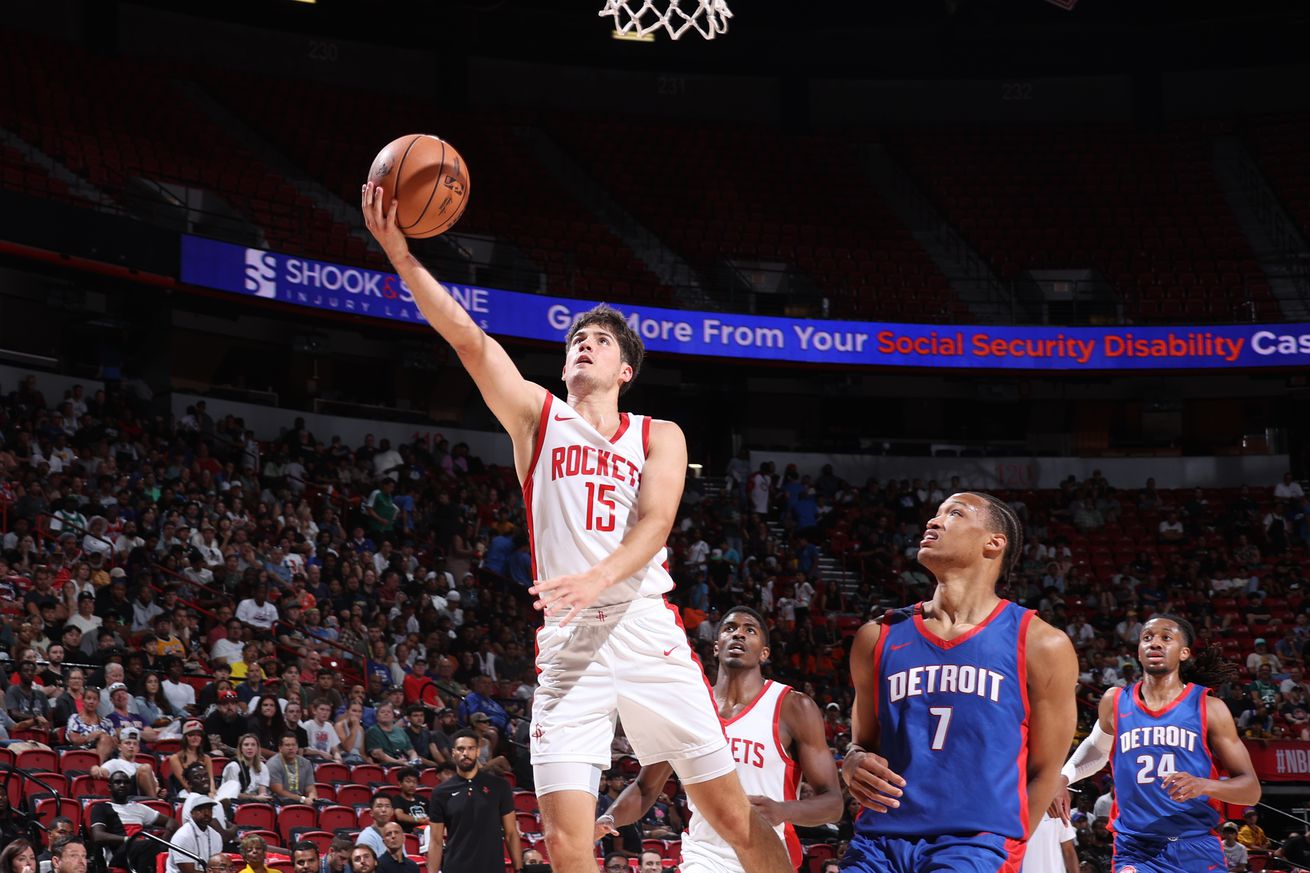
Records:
x=875, y=785
x=382, y=224
x=1184, y=786
x=567, y=593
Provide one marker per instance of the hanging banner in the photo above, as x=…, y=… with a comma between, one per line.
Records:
x=1280, y=761
x=373, y=294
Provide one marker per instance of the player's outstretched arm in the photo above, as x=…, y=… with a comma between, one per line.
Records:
x=1090, y=756
x=1052, y=712
x=867, y=775
x=1242, y=786
x=662, y=479
x=514, y=401
x=636, y=799
x=804, y=723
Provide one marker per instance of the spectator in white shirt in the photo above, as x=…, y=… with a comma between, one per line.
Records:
x=1289, y=488
x=230, y=647
x=198, y=836
x=256, y=611
x=1080, y=632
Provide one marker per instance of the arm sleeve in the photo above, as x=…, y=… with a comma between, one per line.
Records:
x=1090, y=756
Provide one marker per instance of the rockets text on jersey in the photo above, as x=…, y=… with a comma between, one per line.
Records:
x=763, y=767
x=581, y=494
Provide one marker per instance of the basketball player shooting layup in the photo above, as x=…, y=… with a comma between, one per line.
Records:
x=601, y=490
x=770, y=730
x=1163, y=737
x=964, y=709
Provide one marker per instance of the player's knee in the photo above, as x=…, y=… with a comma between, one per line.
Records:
x=563, y=843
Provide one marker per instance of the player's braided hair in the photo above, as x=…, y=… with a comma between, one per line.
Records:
x=1004, y=519
x=1207, y=666
x=631, y=347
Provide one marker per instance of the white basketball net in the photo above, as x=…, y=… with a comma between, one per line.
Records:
x=707, y=17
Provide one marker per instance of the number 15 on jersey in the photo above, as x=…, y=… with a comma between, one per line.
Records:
x=600, y=506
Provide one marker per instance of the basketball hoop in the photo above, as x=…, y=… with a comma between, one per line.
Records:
x=640, y=17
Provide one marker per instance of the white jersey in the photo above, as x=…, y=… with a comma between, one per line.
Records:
x=763, y=767
x=581, y=499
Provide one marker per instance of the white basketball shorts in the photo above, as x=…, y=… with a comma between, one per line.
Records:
x=708, y=859
x=632, y=662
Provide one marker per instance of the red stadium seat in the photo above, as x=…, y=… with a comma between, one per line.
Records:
x=78, y=759
x=363, y=774
x=526, y=801
x=332, y=772
x=321, y=839
x=334, y=818
x=255, y=814
x=353, y=795
x=295, y=815
x=37, y=759
x=47, y=809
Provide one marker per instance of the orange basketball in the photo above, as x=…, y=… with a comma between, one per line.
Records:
x=430, y=179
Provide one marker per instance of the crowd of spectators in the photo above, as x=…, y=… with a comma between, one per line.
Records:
x=177, y=587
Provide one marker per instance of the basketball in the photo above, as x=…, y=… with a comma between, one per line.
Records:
x=430, y=179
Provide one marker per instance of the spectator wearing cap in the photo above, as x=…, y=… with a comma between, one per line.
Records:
x=1251, y=835
x=197, y=836
x=191, y=752
x=1235, y=855
x=142, y=773
x=123, y=713
x=164, y=643
x=1262, y=657
x=225, y=725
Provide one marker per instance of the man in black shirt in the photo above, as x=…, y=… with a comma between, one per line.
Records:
x=394, y=859
x=476, y=811
x=225, y=725
x=1295, y=850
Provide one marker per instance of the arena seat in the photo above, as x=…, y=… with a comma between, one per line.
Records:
x=1142, y=208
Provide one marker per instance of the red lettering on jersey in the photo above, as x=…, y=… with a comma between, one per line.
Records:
x=747, y=752
x=572, y=460
x=557, y=462
x=602, y=462
x=588, y=461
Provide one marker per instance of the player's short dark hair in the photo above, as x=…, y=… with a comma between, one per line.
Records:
x=1002, y=517
x=746, y=610
x=58, y=846
x=340, y=843
x=381, y=795
x=466, y=732
x=406, y=772
x=631, y=348
x=304, y=846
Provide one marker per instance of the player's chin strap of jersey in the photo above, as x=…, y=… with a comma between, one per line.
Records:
x=1090, y=756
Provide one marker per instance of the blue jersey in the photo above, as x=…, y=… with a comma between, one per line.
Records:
x=953, y=720
x=1149, y=745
